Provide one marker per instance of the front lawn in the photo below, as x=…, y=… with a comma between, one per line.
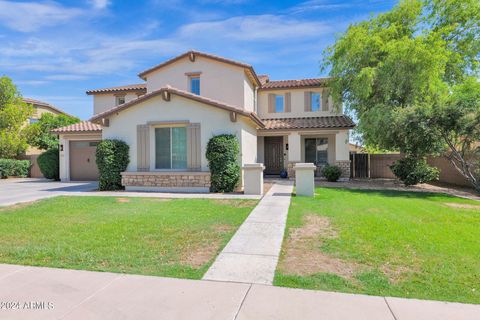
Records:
x=389, y=243
x=177, y=238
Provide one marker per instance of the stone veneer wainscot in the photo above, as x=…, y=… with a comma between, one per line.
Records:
x=166, y=179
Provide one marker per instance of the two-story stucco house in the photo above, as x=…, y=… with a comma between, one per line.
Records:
x=168, y=120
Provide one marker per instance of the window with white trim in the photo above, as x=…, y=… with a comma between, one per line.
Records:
x=119, y=100
x=316, y=151
x=279, y=103
x=171, y=148
x=195, y=84
x=316, y=101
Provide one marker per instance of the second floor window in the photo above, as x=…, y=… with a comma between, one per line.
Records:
x=279, y=103
x=119, y=100
x=195, y=85
x=316, y=100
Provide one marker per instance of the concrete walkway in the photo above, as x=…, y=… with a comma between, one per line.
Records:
x=251, y=256
x=46, y=293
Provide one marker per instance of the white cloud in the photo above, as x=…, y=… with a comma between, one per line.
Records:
x=31, y=16
x=100, y=4
x=255, y=28
x=65, y=77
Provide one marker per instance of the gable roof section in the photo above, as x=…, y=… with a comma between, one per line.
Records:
x=139, y=87
x=328, y=122
x=247, y=67
x=214, y=103
x=45, y=105
x=80, y=127
x=292, y=84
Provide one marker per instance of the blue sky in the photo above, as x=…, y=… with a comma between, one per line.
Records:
x=56, y=50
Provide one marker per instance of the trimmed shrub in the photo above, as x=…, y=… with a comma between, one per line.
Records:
x=332, y=173
x=112, y=159
x=411, y=171
x=49, y=164
x=222, y=155
x=13, y=167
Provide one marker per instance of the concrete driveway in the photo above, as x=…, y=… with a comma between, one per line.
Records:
x=14, y=191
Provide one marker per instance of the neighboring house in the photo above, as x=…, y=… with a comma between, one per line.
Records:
x=39, y=108
x=168, y=120
x=355, y=148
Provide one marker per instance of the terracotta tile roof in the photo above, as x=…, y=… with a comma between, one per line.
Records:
x=83, y=126
x=329, y=122
x=44, y=104
x=301, y=83
x=264, y=78
x=181, y=93
x=194, y=53
x=139, y=87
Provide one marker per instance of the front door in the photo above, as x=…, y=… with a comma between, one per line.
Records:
x=273, y=155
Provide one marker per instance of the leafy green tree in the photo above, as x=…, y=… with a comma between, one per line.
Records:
x=13, y=116
x=39, y=134
x=410, y=77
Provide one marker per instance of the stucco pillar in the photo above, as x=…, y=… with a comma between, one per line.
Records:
x=253, y=178
x=294, y=152
x=64, y=159
x=342, y=153
x=304, y=179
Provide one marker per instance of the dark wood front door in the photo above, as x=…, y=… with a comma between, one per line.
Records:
x=273, y=155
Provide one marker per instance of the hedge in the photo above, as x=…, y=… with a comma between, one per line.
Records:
x=222, y=155
x=332, y=173
x=411, y=171
x=49, y=164
x=12, y=167
x=112, y=159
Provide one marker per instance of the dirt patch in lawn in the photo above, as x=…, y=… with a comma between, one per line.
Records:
x=200, y=255
x=302, y=254
x=222, y=228
x=235, y=203
x=123, y=200
x=462, y=205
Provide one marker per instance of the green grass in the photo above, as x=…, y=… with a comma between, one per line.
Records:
x=174, y=238
x=435, y=246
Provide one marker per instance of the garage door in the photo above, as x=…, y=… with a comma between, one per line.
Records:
x=83, y=166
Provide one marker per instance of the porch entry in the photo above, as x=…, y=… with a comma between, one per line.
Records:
x=273, y=155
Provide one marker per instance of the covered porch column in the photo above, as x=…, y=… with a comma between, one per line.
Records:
x=294, y=152
x=342, y=153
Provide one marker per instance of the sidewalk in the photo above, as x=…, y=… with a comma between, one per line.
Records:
x=252, y=254
x=95, y=295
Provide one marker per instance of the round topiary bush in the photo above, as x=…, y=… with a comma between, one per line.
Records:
x=112, y=159
x=49, y=164
x=332, y=173
x=411, y=171
x=222, y=155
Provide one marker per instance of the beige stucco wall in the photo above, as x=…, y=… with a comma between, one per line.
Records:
x=219, y=81
x=64, y=140
x=213, y=121
x=106, y=101
x=298, y=104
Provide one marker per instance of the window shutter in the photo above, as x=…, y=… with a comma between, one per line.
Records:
x=288, y=102
x=194, y=148
x=325, y=95
x=308, y=101
x=271, y=103
x=143, y=148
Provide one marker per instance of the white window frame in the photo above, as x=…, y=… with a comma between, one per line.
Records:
x=283, y=104
x=153, y=162
x=190, y=78
x=319, y=101
x=117, y=100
